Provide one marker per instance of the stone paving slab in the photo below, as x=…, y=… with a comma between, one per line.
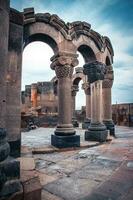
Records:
x=103, y=172
x=51, y=149
x=48, y=196
x=71, y=188
x=45, y=179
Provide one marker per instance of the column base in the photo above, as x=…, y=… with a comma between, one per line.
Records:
x=96, y=132
x=15, y=148
x=65, y=141
x=110, y=126
x=86, y=123
x=75, y=123
x=11, y=190
x=9, y=177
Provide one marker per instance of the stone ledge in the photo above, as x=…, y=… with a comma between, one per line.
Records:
x=83, y=145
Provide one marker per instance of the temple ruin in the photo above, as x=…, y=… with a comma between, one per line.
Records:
x=17, y=30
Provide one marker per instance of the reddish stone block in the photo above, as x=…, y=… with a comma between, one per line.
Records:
x=31, y=186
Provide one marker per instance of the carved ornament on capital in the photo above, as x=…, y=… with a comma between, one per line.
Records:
x=63, y=64
x=86, y=88
x=108, y=78
x=94, y=70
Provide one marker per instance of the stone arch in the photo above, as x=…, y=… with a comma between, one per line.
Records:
x=45, y=27
x=42, y=38
x=107, y=62
x=87, y=53
x=78, y=76
x=87, y=47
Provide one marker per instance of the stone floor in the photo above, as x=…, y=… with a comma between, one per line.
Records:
x=103, y=172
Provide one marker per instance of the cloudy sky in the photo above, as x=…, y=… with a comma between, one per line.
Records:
x=113, y=18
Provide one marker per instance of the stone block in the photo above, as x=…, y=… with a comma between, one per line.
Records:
x=45, y=179
x=110, y=126
x=9, y=169
x=98, y=135
x=65, y=141
x=48, y=196
x=32, y=188
x=15, y=148
x=26, y=163
x=10, y=190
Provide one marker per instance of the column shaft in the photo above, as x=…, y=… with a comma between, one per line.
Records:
x=4, y=33
x=95, y=72
x=107, y=101
x=86, y=87
x=88, y=106
x=64, y=102
x=13, y=116
x=73, y=106
x=107, y=109
x=96, y=102
x=63, y=64
x=75, y=89
x=9, y=168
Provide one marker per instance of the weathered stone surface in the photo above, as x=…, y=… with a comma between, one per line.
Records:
x=45, y=179
x=94, y=71
x=71, y=188
x=65, y=141
x=49, y=196
x=11, y=188
x=4, y=146
x=44, y=150
x=80, y=173
x=31, y=185
x=26, y=163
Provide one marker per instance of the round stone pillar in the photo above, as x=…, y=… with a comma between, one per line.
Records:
x=64, y=136
x=107, y=100
x=9, y=168
x=75, y=89
x=4, y=34
x=34, y=95
x=97, y=130
x=86, y=87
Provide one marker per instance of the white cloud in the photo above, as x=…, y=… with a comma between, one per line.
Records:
x=36, y=63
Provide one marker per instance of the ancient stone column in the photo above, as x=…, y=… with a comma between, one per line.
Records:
x=9, y=168
x=97, y=130
x=34, y=95
x=107, y=100
x=86, y=87
x=13, y=79
x=63, y=64
x=75, y=89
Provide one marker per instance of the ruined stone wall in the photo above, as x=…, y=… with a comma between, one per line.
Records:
x=46, y=99
x=123, y=114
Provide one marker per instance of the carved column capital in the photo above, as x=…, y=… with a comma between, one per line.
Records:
x=108, y=78
x=63, y=64
x=75, y=89
x=94, y=70
x=86, y=88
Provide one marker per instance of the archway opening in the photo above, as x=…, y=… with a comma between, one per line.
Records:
x=38, y=99
x=108, y=63
x=79, y=100
x=36, y=63
x=86, y=55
